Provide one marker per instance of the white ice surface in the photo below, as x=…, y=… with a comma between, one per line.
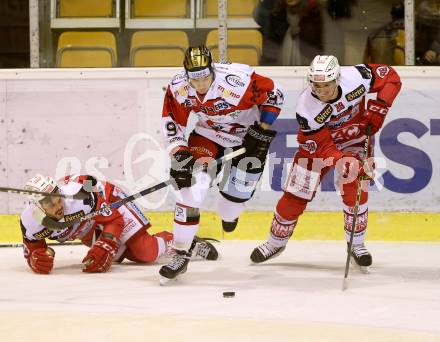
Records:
x=295, y=297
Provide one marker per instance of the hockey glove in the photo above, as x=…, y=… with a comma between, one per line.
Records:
x=100, y=256
x=41, y=260
x=257, y=141
x=374, y=116
x=182, y=163
x=353, y=166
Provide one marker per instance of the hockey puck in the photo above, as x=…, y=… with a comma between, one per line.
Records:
x=229, y=294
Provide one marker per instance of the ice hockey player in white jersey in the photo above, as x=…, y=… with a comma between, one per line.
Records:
x=113, y=236
x=333, y=120
x=234, y=108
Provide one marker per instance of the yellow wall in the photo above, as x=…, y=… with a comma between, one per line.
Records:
x=383, y=226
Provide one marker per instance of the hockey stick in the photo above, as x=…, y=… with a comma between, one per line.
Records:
x=78, y=196
x=355, y=213
x=67, y=243
x=55, y=225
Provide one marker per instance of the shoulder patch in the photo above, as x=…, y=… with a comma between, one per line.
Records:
x=324, y=115
x=274, y=98
x=302, y=122
x=364, y=71
x=382, y=71
x=358, y=92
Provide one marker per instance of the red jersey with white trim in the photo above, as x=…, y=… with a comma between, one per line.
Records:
x=338, y=122
x=236, y=99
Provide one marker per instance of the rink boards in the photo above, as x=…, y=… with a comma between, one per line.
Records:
x=106, y=122
x=383, y=226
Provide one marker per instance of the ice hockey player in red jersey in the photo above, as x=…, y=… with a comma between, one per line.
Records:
x=113, y=236
x=234, y=107
x=333, y=121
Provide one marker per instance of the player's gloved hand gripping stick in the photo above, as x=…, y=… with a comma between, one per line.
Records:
x=55, y=225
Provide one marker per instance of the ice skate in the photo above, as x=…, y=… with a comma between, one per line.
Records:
x=229, y=227
x=177, y=266
x=265, y=252
x=204, y=249
x=361, y=257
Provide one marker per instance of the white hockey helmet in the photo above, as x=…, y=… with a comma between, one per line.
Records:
x=43, y=184
x=324, y=69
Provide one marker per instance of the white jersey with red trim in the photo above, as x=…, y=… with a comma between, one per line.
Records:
x=342, y=116
x=103, y=194
x=236, y=99
x=33, y=230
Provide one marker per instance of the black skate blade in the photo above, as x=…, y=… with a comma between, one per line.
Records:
x=163, y=281
x=363, y=269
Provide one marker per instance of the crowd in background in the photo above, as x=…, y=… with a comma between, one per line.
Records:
x=294, y=31
x=356, y=31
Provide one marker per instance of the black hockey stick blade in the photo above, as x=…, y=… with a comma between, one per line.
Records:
x=51, y=224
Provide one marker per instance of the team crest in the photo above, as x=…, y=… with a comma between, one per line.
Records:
x=382, y=71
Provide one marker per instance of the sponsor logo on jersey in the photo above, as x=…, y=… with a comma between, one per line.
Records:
x=177, y=139
x=182, y=91
x=177, y=79
x=60, y=235
x=221, y=105
x=227, y=92
x=42, y=234
x=218, y=135
x=309, y=146
x=344, y=117
x=215, y=108
x=243, y=183
x=382, y=71
x=355, y=94
x=234, y=81
x=74, y=216
x=340, y=122
x=202, y=150
x=324, y=115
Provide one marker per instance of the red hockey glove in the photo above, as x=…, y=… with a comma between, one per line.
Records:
x=354, y=167
x=374, y=116
x=100, y=256
x=41, y=260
